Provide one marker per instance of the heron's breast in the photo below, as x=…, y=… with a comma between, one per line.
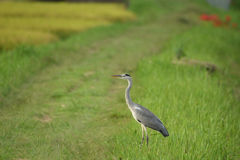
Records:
x=136, y=112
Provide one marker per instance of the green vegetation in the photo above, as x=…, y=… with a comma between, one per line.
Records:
x=50, y=21
x=58, y=100
x=200, y=109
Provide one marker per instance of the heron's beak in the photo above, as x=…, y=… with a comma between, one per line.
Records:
x=116, y=76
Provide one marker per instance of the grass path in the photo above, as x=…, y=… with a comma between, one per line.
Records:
x=69, y=110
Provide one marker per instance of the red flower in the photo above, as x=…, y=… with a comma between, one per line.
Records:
x=217, y=23
x=213, y=17
x=234, y=25
x=228, y=18
x=204, y=17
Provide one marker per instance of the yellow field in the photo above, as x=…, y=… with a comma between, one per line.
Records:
x=33, y=23
x=12, y=37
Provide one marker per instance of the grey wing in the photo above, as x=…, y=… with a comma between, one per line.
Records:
x=148, y=119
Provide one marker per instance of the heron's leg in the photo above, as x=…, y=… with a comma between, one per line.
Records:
x=142, y=134
x=146, y=133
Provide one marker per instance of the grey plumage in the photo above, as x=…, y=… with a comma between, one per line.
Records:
x=141, y=114
x=150, y=120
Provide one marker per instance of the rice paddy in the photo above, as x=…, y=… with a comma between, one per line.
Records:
x=36, y=23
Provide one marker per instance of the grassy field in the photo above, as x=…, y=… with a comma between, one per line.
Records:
x=200, y=109
x=47, y=22
x=58, y=101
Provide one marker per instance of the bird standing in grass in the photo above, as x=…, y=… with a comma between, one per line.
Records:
x=141, y=114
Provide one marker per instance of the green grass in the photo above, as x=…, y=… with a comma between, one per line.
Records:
x=58, y=101
x=200, y=110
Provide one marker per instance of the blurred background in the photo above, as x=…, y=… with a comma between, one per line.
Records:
x=37, y=22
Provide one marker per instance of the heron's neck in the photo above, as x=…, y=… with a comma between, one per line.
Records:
x=127, y=94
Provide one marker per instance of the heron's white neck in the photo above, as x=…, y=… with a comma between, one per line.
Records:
x=127, y=94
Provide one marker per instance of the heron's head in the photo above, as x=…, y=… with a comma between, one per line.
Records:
x=122, y=76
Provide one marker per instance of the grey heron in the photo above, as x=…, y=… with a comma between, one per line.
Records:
x=141, y=114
